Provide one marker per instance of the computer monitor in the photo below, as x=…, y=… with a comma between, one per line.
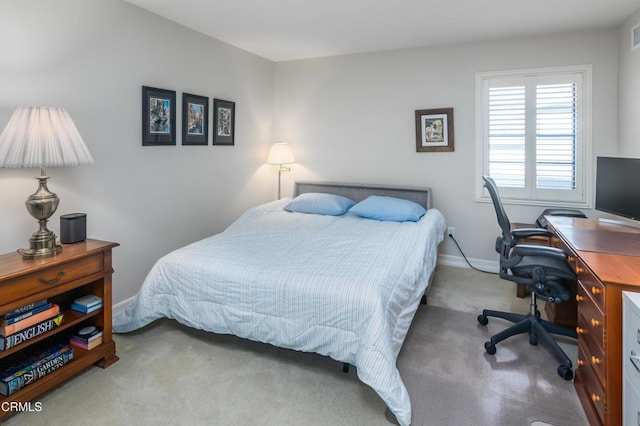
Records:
x=618, y=186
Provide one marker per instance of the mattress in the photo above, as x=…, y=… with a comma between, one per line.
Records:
x=344, y=287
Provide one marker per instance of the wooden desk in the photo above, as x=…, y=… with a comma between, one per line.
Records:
x=606, y=258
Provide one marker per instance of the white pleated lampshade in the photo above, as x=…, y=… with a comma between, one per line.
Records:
x=42, y=137
x=280, y=153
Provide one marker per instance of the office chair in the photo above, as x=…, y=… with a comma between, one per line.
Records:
x=542, y=269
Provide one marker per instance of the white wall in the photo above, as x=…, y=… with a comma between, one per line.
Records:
x=351, y=118
x=92, y=57
x=628, y=90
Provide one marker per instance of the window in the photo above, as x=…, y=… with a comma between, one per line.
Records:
x=533, y=136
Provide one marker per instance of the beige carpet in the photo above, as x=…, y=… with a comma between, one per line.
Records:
x=452, y=381
x=171, y=375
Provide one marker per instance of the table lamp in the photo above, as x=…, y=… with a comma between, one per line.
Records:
x=41, y=137
x=280, y=154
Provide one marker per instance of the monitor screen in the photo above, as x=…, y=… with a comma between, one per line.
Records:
x=618, y=186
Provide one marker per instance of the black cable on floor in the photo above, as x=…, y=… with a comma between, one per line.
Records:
x=467, y=260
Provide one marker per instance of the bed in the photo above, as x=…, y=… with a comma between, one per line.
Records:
x=341, y=286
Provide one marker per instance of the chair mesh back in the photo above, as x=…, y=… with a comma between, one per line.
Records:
x=501, y=214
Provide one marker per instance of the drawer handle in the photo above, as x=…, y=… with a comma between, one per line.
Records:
x=571, y=258
x=580, y=362
x=595, y=322
x=635, y=360
x=579, y=298
x=595, y=290
x=579, y=330
x=595, y=398
x=579, y=270
x=43, y=280
x=595, y=360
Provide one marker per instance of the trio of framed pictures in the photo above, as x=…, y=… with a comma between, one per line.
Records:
x=159, y=119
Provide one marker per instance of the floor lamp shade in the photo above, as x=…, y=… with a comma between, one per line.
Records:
x=42, y=137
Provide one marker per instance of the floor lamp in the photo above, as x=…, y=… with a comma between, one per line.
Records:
x=280, y=154
x=42, y=137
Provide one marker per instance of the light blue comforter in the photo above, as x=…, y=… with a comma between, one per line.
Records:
x=345, y=287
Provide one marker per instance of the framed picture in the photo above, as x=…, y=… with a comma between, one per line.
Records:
x=434, y=130
x=158, y=116
x=195, y=119
x=224, y=115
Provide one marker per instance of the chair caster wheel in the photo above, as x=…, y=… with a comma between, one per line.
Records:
x=565, y=372
x=490, y=348
x=533, y=340
x=483, y=320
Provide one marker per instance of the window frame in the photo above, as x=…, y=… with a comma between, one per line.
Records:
x=582, y=195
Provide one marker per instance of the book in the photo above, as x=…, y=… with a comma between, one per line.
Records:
x=88, y=301
x=6, y=372
x=87, y=334
x=84, y=309
x=28, y=322
x=35, y=368
x=35, y=330
x=86, y=345
x=8, y=321
x=25, y=308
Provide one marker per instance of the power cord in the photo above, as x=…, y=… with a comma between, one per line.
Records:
x=467, y=260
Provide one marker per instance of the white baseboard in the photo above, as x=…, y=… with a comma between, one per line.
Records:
x=458, y=261
x=118, y=307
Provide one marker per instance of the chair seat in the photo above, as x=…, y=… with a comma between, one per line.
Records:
x=554, y=268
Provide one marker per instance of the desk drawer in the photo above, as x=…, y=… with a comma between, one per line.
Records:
x=595, y=391
x=591, y=285
x=593, y=353
x=36, y=282
x=592, y=316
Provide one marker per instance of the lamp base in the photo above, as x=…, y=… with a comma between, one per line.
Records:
x=42, y=204
x=41, y=244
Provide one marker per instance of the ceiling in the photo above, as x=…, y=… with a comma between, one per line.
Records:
x=282, y=30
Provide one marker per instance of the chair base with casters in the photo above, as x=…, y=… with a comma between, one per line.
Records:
x=537, y=328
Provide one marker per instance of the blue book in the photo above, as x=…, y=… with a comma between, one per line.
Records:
x=25, y=308
x=35, y=368
x=20, y=317
x=84, y=309
x=88, y=301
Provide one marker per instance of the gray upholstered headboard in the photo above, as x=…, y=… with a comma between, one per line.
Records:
x=358, y=192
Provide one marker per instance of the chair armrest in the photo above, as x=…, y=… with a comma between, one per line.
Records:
x=538, y=250
x=530, y=232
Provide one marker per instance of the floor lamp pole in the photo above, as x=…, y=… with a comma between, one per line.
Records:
x=280, y=170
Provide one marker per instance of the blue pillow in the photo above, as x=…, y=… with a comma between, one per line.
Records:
x=320, y=203
x=388, y=208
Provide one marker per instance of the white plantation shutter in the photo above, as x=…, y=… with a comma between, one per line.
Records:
x=507, y=135
x=531, y=134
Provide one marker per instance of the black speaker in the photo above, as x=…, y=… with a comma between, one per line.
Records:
x=73, y=228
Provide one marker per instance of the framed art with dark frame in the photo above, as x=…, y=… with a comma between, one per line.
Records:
x=158, y=116
x=195, y=119
x=224, y=116
x=434, y=130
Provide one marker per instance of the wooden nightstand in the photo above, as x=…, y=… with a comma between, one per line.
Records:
x=82, y=268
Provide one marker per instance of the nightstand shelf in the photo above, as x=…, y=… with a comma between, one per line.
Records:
x=82, y=268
